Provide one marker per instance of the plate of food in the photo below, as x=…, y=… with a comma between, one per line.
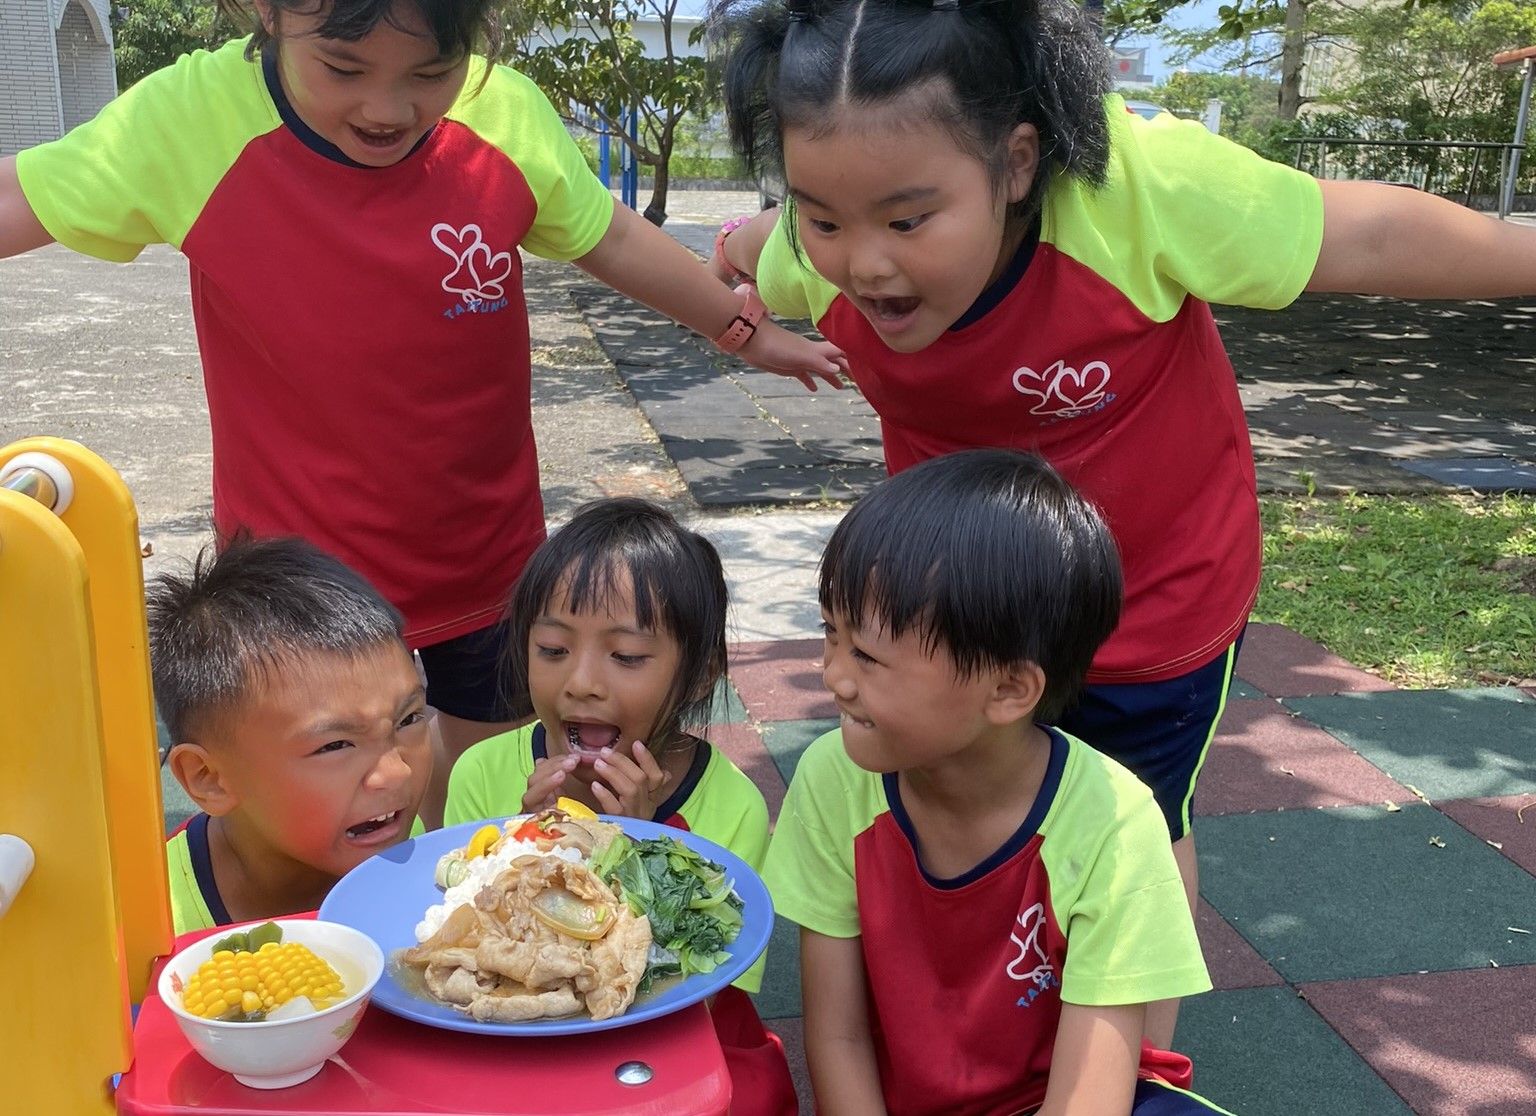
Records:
x=554, y=923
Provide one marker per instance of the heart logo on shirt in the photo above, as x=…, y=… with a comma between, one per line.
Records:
x=478, y=274
x=1062, y=389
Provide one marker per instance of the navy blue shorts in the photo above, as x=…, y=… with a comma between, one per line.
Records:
x=1154, y=1098
x=1160, y=730
x=464, y=675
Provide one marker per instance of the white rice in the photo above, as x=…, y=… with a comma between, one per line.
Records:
x=482, y=870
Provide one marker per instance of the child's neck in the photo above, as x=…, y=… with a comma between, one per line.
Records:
x=969, y=806
x=256, y=881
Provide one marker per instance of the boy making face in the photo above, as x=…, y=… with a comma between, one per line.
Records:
x=300, y=724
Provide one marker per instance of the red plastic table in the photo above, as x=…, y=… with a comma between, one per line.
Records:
x=393, y=1067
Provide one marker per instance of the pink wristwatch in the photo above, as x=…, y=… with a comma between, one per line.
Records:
x=730, y=226
x=744, y=324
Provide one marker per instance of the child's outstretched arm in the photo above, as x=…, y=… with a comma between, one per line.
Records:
x=20, y=230
x=1391, y=240
x=638, y=259
x=838, y=1046
x=1093, y=1066
x=743, y=246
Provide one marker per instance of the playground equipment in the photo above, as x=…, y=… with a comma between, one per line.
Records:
x=84, y=905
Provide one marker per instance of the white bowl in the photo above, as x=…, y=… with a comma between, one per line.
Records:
x=275, y=1055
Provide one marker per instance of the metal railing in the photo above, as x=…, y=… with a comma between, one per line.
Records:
x=1477, y=147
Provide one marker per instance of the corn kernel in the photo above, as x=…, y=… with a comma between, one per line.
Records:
x=250, y=1002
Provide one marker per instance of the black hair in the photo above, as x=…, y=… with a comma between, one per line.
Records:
x=983, y=66
x=459, y=27
x=988, y=554
x=679, y=588
x=252, y=607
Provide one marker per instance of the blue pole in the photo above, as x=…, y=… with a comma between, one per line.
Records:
x=631, y=166
x=605, y=158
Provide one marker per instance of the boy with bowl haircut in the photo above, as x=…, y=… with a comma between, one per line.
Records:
x=300, y=727
x=987, y=905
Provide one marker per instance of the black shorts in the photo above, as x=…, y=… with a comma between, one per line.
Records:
x=1160, y=730
x=465, y=675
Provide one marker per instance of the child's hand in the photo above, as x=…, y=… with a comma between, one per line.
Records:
x=546, y=782
x=633, y=786
x=775, y=349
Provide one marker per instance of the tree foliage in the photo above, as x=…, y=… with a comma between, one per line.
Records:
x=586, y=56
x=1425, y=74
x=149, y=35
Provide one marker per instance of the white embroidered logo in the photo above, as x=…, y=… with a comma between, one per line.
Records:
x=1064, y=391
x=477, y=274
x=1031, y=950
x=1032, y=967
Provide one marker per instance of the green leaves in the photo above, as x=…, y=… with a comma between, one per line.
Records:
x=693, y=910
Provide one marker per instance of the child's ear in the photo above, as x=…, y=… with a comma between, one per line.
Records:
x=1016, y=694
x=1023, y=160
x=197, y=770
x=264, y=13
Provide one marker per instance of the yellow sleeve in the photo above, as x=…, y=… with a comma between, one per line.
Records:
x=1184, y=212
x=490, y=779
x=574, y=208
x=142, y=170
x=789, y=286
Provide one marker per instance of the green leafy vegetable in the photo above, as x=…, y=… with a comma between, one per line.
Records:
x=693, y=910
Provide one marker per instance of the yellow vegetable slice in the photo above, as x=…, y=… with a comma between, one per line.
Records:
x=578, y=810
x=481, y=842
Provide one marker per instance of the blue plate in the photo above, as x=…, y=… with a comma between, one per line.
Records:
x=386, y=896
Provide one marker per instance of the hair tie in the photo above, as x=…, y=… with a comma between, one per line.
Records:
x=801, y=11
x=946, y=5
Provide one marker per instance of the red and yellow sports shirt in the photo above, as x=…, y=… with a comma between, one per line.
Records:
x=363, y=331
x=967, y=976
x=1103, y=357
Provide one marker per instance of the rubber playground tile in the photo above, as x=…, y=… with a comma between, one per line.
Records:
x=1232, y=962
x=1241, y=691
x=1264, y=1052
x=780, y=994
x=726, y=707
x=788, y=740
x=1266, y=758
x=743, y=745
x=1283, y=664
x=1482, y=474
x=1365, y=892
x=1448, y=743
x=1454, y=1044
x=1509, y=824
x=782, y=681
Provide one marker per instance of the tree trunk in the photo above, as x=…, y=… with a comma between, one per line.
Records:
x=1291, y=56
x=656, y=210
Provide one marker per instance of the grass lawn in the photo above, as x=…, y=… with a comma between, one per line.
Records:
x=1429, y=591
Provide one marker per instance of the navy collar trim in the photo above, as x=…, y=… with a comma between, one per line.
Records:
x=993, y=296
x=1021, y=836
x=307, y=135
x=703, y=752
x=202, y=869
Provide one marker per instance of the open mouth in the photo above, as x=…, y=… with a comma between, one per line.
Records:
x=850, y=719
x=587, y=739
x=365, y=829
x=892, y=310
x=377, y=139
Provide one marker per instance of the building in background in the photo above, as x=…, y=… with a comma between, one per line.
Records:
x=56, y=68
